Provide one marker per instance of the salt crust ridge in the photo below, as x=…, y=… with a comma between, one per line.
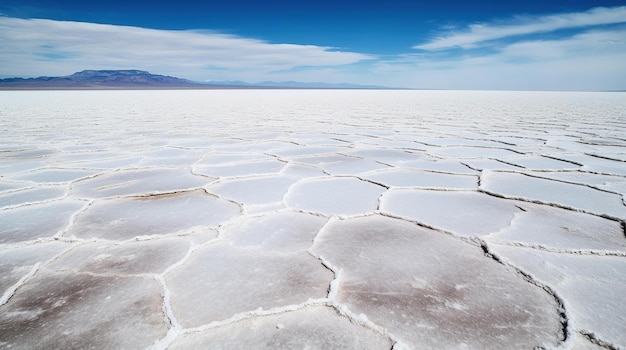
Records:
x=532, y=144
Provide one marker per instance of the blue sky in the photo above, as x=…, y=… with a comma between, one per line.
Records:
x=444, y=44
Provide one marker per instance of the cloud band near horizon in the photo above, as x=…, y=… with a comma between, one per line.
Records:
x=586, y=51
x=42, y=45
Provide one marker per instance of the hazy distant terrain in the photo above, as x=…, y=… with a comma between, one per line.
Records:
x=137, y=79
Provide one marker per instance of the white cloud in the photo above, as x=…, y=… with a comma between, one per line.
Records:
x=32, y=47
x=587, y=53
x=597, y=43
x=479, y=33
x=592, y=60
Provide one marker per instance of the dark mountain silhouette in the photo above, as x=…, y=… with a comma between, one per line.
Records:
x=138, y=79
x=102, y=79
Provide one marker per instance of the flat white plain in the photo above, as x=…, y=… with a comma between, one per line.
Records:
x=327, y=219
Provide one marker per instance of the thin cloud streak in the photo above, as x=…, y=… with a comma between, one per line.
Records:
x=596, y=43
x=39, y=47
x=479, y=33
x=591, y=60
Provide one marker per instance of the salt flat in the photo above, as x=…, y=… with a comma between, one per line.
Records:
x=318, y=219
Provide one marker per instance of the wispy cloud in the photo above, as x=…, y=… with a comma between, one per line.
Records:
x=476, y=34
x=589, y=60
x=584, y=51
x=569, y=51
x=594, y=43
x=46, y=47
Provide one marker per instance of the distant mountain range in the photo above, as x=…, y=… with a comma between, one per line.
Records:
x=138, y=79
x=295, y=85
x=100, y=79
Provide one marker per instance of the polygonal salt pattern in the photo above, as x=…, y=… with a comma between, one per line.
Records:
x=122, y=219
x=557, y=229
x=423, y=179
x=315, y=328
x=132, y=258
x=471, y=152
x=286, y=231
x=515, y=185
x=453, y=143
x=303, y=150
x=611, y=183
x=257, y=190
x=542, y=163
x=264, y=280
x=325, y=219
x=133, y=182
x=302, y=171
x=85, y=157
x=592, y=287
x=396, y=157
x=461, y=213
x=66, y=310
x=442, y=166
x=55, y=175
x=169, y=156
x=490, y=164
x=12, y=166
x=394, y=273
x=31, y=195
x=105, y=164
x=28, y=153
x=340, y=164
x=595, y=164
x=37, y=221
x=352, y=165
x=271, y=166
x=17, y=263
x=334, y=196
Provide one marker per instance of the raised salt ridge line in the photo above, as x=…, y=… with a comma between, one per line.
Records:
x=11, y=290
x=592, y=293
x=515, y=185
x=319, y=219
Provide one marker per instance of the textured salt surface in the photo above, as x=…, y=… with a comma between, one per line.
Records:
x=310, y=328
x=394, y=273
x=312, y=219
